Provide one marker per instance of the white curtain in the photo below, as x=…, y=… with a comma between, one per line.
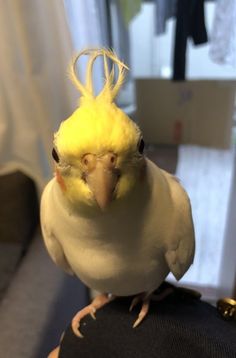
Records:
x=88, y=23
x=35, y=93
x=37, y=40
x=101, y=23
x=223, y=34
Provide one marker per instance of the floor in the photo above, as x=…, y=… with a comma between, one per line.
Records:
x=206, y=175
x=38, y=305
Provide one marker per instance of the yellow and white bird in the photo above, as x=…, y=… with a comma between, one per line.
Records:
x=111, y=216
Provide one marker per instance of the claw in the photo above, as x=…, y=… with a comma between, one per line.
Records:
x=142, y=314
x=145, y=298
x=92, y=314
x=78, y=317
x=134, y=302
x=139, y=320
x=75, y=327
x=144, y=310
x=91, y=309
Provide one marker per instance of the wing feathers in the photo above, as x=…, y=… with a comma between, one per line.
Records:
x=56, y=251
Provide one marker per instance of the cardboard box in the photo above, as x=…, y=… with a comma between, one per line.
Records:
x=191, y=112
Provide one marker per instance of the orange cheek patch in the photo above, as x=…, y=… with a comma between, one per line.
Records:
x=60, y=180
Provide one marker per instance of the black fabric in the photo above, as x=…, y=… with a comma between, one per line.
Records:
x=190, y=22
x=180, y=326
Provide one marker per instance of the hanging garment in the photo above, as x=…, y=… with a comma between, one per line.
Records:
x=35, y=96
x=164, y=10
x=190, y=22
x=223, y=35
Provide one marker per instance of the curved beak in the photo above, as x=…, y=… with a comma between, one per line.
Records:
x=102, y=179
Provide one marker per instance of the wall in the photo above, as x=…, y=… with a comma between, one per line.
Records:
x=151, y=56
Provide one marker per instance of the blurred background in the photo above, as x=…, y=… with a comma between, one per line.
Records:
x=180, y=90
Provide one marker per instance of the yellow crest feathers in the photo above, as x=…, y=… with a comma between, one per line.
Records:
x=111, y=86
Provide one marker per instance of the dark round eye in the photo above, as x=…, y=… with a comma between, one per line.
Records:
x=141, y=146
x=55, y=155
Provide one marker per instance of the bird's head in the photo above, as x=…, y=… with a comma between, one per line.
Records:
x=98, y=150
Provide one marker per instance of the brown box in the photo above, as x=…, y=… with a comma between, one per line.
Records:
x=191, y=112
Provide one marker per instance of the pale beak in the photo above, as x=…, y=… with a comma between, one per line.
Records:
x=102, y=177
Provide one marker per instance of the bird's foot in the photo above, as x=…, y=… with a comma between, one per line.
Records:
x=145, y=299
x=98, y=302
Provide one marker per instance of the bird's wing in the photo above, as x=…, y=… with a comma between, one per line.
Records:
x=179, y=258
x=55, y=250
x=181, y=246
x=52, y=244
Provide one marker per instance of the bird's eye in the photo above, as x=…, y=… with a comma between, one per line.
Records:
x=141, y=146
x=55, y=155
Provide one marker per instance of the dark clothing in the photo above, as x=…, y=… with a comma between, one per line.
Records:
x=180, y=326
x=190, y=22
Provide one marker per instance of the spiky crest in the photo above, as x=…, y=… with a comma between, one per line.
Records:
x=111, y=86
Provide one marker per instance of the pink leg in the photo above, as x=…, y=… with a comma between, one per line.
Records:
x=143, y=312
x=98, y=302
x=145, y=299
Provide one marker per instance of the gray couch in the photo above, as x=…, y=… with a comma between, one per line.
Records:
x=37, y=299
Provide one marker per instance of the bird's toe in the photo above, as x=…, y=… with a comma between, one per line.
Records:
x=143, y=312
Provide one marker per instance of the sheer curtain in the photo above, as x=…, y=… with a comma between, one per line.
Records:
x=102, y=23
x=88, y=24
x=37, y=41
x=35, y=94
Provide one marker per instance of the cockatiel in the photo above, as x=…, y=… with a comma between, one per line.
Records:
x=110, y=216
